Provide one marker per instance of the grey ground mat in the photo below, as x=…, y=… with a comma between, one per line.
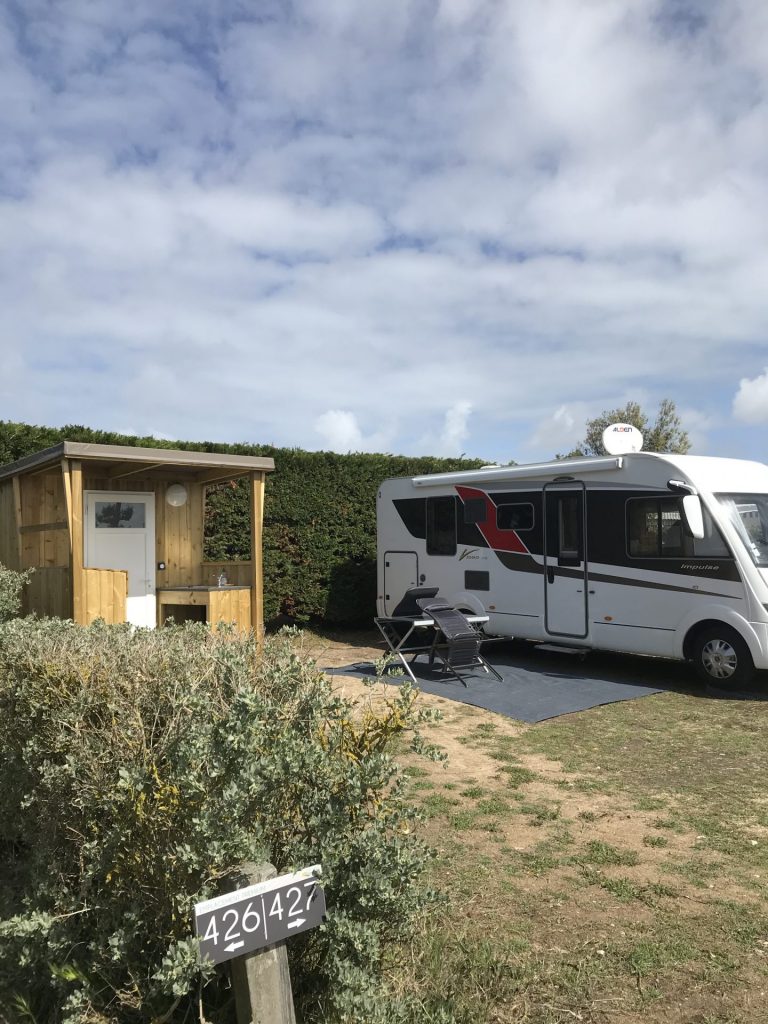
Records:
x=537, y=685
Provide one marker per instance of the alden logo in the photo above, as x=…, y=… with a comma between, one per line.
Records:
x=469, y=553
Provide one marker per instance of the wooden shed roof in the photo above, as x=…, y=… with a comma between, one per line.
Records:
x=116, y=460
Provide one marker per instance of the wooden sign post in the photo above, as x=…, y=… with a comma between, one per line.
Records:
x=249, y=927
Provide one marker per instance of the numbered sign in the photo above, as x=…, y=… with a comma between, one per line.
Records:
x=260, y=915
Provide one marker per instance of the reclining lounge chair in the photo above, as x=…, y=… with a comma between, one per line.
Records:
x=461, y=651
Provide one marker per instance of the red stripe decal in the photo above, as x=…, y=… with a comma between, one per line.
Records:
x=499, y=540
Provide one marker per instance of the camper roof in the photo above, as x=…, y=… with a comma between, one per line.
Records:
x=705, y=472
x=564, y=467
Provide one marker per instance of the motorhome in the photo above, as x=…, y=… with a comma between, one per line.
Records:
x=637, y=552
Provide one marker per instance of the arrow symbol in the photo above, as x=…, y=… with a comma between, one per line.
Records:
x=297, y=923
x=233, y=946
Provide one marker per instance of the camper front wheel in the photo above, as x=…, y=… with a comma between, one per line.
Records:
x=722, y=657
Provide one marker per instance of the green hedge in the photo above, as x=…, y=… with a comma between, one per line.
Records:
x=320, y=517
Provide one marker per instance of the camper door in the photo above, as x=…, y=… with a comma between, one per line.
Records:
x=401, y=573
x=565, y=559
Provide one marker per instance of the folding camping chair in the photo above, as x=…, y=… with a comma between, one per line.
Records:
x=461, y=650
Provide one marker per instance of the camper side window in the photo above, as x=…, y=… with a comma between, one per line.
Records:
x=475, y=510
x=655, y=529
x=441, y=526
x=515, y=517
x=570, y=529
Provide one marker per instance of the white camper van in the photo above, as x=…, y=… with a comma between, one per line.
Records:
x=663, y=555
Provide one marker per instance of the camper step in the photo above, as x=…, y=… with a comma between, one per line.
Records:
x=559, y=649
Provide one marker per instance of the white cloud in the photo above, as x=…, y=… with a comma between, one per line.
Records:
x=560, y=431
x=340, y=222
x=700, y=424
x=341, y=432
x=751, y=401
x=455, y=428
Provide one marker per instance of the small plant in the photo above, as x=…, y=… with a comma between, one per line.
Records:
x=463, y=821
x=540, y=813
x=658, y=841
x=517, y=776
x=621, y=888
x=493, y=805
x=667, y=823
x=11, y=585
x=436, y=804
x=603, y=853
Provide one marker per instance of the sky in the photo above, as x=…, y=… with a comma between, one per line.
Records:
x=422, y=227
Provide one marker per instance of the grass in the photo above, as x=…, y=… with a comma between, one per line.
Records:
x=516, y=776
x=629, y=882
x=603, y=853
x=656, y=841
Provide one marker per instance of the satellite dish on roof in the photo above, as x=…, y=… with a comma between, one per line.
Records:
x=621, y=438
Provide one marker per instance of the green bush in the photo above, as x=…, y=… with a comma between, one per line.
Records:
x=319, y=517
x=11, y=585
x=138, y=769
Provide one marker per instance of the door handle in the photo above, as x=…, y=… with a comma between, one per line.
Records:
x=550, y=574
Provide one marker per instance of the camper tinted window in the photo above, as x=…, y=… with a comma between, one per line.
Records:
x=569, y=528
x=515, y=517
x=441, y=526
x=655, y=529
x=474, y=510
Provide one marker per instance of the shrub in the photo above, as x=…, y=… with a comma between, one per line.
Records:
x=138, y=769
x=11, y=585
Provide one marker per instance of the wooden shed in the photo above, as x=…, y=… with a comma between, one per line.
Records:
x=116, y=533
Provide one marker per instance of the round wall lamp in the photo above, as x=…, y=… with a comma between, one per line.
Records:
x=176, y=495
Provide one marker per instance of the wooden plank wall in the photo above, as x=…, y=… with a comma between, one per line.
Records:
x=180, y=538
x=44, y=531
x=106, y=592
x=49, y=592
x=9, y=538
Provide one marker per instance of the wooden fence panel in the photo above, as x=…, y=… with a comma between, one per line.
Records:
x=230, y=606
x=106, y=593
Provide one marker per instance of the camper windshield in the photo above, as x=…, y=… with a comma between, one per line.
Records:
x=749, y=514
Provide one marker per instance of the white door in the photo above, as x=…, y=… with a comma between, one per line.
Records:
x=401, y=572
x=120, y=534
